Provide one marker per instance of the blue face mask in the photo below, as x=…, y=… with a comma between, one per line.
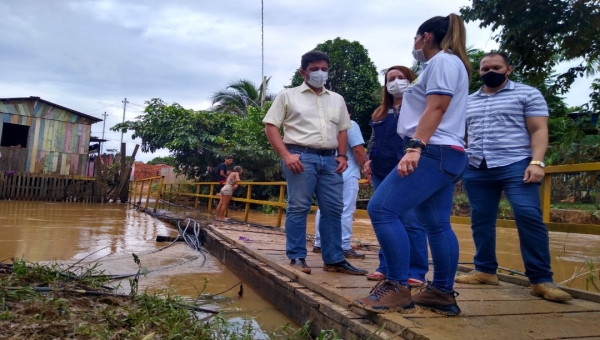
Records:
x=317, y=78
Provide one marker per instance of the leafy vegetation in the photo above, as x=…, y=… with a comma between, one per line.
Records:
x=162, y=160
x=50, y=301
x=238, y=96
x=198, y=140
x=538, y=35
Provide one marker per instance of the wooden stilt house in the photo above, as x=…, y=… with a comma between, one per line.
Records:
x=37, y=136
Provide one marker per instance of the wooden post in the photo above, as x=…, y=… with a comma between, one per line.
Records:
x=248, y=197
x=210, y=199
x=197, y=193
x=279, y=208
x=160, y=185
x=123, y=195
x=545, y=193
x=135, y=192
x=148, y=195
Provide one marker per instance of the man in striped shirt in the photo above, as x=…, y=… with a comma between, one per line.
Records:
x=507, y=135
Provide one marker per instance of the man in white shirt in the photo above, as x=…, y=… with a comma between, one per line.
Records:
x=356, y=159
x=313, y=151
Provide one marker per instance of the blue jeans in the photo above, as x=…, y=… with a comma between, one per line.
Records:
x=349, y=197
x=318, y=178
x=429, y=190
x=484, y=188
x=418, y=264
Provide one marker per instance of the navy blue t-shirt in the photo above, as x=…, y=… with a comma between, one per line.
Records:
x=223, y=167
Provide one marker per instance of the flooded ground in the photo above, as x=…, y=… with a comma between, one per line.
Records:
x=45, y=231
x=570, y=252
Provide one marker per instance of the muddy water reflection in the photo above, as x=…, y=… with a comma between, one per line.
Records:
x=569, y=252
x=44, y=231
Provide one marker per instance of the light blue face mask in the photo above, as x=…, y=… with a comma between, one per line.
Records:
x=418, y=54
x=317, y=78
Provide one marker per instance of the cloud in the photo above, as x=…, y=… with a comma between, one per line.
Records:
x=85, y=54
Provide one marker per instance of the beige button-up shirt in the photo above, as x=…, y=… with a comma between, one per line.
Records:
x=309, y=119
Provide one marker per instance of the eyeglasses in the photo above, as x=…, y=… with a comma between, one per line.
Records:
x=417, y=38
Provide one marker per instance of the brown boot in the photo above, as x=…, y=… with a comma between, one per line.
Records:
x=550, y=292
x=475, y=277
x=433, y=299
x=387, y=297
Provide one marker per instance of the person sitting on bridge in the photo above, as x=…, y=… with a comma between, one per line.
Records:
x=313, y=151
x=507, y=133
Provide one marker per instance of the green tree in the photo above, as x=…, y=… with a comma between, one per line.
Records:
x=539, y=34
x=238, y=96
x=168, y=160
x=198, y=140
x=353, y=75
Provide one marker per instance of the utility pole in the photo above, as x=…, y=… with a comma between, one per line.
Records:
x=125, y=102
x=263, y=95
x=103, y=127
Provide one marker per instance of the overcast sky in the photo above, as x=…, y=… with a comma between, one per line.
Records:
x=88, y=55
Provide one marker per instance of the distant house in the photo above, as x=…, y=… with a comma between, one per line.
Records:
x=38, y=136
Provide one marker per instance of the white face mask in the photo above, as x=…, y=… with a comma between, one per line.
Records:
x=418, y=54
x=317, y=78
x=397, y=87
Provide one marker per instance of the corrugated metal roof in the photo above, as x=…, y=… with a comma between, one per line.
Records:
x=92, y=118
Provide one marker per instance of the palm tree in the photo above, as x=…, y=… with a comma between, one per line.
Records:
x=237, y=96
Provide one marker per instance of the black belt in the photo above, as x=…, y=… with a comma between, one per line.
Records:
x=306, y=149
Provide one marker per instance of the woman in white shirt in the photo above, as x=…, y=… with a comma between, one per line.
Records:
x=432, y=123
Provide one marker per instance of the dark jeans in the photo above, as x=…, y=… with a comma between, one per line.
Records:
x=484, y=188
x=429, y=190
x=418, y=265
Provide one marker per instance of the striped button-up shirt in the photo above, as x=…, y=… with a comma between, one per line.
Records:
x=496, y=127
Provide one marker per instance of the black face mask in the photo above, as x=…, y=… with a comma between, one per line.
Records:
x=493, y=79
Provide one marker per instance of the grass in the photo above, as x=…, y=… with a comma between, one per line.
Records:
x=58, y=301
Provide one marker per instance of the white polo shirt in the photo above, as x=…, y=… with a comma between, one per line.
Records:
x=443, y=74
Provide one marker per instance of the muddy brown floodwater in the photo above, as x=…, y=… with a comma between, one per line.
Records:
x=47, y=231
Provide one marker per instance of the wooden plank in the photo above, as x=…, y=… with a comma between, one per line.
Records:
x=34, y=144
x=25, y=187
x=20, y=180
x=563, y=326
x=3, y=184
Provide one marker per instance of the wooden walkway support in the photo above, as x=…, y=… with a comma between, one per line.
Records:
x=506, y=311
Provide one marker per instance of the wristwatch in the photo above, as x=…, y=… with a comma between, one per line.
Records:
x=414, y=144
x=342, y=155
x=538, y=163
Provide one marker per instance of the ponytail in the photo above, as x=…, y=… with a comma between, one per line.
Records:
x=450, y=35
x=455, y=40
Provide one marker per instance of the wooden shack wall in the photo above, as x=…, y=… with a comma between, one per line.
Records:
x=58, y=140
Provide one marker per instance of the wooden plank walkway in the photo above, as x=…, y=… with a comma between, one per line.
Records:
x=506, y=311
